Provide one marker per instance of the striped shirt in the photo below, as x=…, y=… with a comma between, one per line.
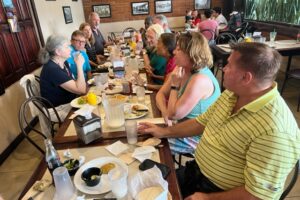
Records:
x=257, y=146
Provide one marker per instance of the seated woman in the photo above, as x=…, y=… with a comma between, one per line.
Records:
x=165, y=47
x=191, y=88
x=57, y=83
x=154, y=63
x=90, y=45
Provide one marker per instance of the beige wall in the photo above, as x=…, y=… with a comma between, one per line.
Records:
x=51, y=18
x=106, y=28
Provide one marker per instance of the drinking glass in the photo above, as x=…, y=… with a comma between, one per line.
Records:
x=272, y=38
x=114, y=112
x=248, y=35
x=140, y=93
x=118, y=180
x=131, y=131
x=63, y=184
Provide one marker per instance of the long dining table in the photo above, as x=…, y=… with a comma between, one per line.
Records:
x=287, y=48
x=64, y=140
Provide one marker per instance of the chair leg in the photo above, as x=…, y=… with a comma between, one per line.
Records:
x=298, y=103
x=283, y=84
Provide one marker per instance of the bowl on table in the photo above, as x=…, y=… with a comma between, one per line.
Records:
x=91, y=176
x=72, y=166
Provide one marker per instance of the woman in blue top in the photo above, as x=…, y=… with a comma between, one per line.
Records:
x=191, y=89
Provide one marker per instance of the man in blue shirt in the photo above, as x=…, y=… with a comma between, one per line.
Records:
x=77, y=46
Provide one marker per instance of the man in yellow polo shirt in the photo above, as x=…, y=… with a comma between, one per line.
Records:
x=250, y=139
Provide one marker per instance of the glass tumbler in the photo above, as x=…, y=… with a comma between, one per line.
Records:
x=272, y=38
x=63, y=184
x=118, y=180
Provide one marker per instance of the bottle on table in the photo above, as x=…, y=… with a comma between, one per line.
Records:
x=52, y=157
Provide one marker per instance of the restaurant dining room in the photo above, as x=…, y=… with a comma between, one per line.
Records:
x=149, y=100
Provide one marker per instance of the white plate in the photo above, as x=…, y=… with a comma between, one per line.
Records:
x=104, y=185
x=74, y=102
x=128, y=111
x=117, y=89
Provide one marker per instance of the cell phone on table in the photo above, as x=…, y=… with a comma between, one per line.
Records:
x=148, y=164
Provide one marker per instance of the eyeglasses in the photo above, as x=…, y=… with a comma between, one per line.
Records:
x=79, y=41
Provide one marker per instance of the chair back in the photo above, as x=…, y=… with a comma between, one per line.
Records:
x=209, y=34
x=291, y=184
x=41, y=107
x=129, y=30
x=225, y=38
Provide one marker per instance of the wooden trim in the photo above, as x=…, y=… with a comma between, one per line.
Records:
x=283, y=29
x=38, y=25
x=16, y=141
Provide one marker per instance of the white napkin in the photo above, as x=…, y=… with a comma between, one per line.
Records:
x=117, y=148
x=143, y=153
x=149, y=178
x=85, y=110
x=134, y=90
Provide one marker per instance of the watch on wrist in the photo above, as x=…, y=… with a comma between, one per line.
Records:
x=174, y=88
x=145, y=85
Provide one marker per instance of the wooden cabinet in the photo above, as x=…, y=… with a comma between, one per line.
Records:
x=19, y=50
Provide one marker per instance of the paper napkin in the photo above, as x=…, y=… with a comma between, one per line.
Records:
x=143, y=153
x=117, y=148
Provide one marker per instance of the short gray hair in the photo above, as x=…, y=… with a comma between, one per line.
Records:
x=93, y=14
x=162, y=18
x=53, y=43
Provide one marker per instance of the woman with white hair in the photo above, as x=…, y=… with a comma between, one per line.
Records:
x=154, y=63
x=56, y=81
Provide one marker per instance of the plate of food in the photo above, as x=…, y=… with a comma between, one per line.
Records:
x=105, y=164
x=91, y=99
x=113, y=88
x=135, y=110
x=121, y=97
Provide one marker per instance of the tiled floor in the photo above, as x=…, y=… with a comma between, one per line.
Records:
x=19, y=166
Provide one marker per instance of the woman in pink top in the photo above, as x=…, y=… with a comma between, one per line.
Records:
x=209, y=27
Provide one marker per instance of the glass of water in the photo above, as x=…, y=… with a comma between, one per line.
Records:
x=272, y=38
x=131, y=131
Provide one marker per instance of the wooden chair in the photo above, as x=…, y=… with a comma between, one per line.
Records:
x=41, y=107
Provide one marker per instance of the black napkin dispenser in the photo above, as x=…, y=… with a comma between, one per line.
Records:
x=88, y=129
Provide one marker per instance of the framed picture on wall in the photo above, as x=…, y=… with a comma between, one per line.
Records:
x=140, y=8
x=164, y=6
x=103, y=10
x=67, y=14
x=202, y=4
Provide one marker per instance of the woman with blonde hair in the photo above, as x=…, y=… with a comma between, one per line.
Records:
x=90, y=44
x=191, y=88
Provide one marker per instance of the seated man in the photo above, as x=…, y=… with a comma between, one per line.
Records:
x=78, y=42
x=250, y=139
x=219, y=17
x=162, y=20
